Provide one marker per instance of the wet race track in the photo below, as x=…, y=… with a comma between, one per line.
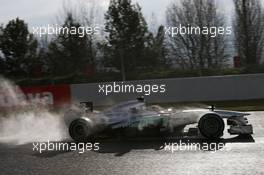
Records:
x=141, y=157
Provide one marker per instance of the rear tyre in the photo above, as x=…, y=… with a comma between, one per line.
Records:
x=80, y=130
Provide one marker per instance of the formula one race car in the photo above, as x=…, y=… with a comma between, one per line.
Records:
x=134, y=119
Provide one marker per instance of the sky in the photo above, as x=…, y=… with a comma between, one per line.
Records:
x=43, y=12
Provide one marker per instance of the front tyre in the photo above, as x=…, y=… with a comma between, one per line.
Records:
x=211, y=126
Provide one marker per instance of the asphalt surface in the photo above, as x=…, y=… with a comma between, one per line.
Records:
x=237, y=156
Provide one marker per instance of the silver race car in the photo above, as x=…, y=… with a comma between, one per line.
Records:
x=134, y=119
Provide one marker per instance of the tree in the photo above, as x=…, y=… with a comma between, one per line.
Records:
x=2, y=63
x=249, y=31
x=70, y=52
x=19, y=48
x=128, y=38
x=153, y=23
x=192, y=50
x=158, y=51
x=43, y=55
x=91, y=15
